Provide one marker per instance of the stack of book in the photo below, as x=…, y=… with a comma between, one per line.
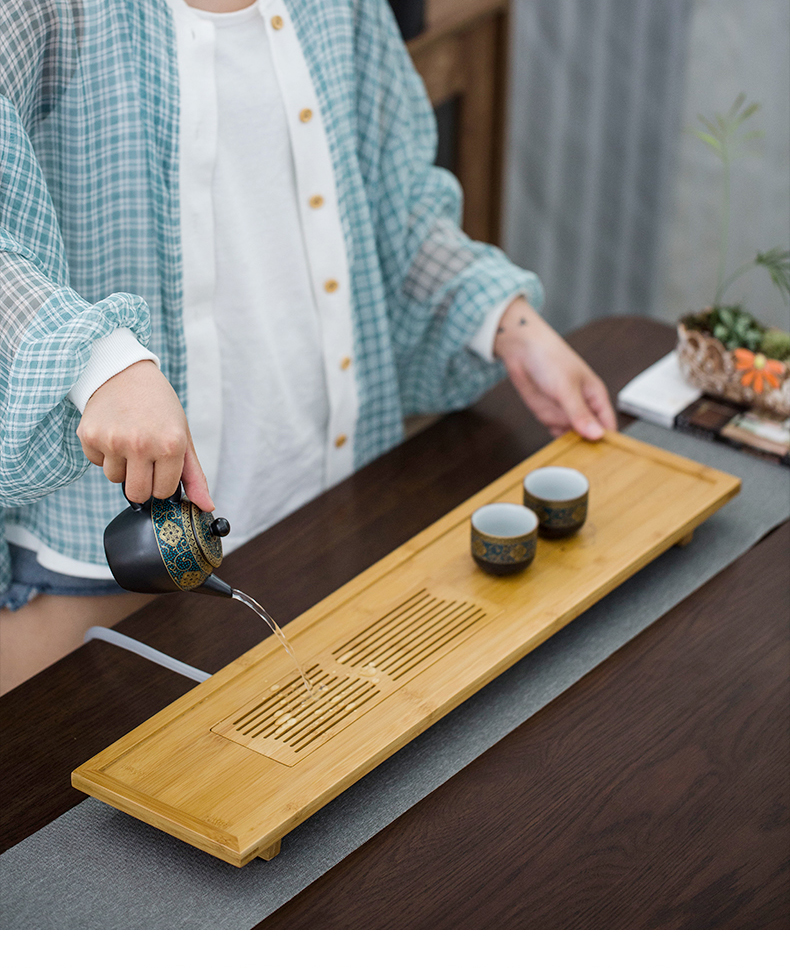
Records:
x=661, y=395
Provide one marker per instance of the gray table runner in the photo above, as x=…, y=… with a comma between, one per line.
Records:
x=95, y=867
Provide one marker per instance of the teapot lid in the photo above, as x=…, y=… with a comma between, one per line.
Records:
x=208, y=542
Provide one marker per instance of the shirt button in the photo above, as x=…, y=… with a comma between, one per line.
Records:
x=277, y=23
x=305, y=114
x=345, y=363
x=316, y=201
x=340, y=440
x=331, y=285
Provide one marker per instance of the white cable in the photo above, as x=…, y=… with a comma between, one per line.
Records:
x=132, y=645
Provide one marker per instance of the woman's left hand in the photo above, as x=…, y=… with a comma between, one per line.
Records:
x=554, y=381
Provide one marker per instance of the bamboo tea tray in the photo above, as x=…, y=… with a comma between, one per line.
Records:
x=239, y=761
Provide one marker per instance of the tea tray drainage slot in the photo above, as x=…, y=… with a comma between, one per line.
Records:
x=287, y=723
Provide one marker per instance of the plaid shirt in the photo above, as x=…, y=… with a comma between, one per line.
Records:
x=89, y=235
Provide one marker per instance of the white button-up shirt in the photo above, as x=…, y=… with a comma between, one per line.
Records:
x=267, y=310
x=266, y=280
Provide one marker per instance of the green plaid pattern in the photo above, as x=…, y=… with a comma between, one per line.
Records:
x=89, y=234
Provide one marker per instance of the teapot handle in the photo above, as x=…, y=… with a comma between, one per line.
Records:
x=174, y=498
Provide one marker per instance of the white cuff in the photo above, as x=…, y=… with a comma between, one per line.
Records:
x=109, y=355
x=482, y=342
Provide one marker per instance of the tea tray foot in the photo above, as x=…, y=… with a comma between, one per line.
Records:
x=686, y=539
x=270, y=852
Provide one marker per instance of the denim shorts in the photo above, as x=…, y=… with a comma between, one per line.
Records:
x=29, y=578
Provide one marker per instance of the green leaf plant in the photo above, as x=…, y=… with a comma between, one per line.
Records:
x=733, y=326
x=724, y=134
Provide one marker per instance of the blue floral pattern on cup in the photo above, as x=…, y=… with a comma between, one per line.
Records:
x=558, y=517
x=521, y=552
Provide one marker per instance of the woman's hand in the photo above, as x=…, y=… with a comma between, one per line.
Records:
x=554, y=381
x=135, y=428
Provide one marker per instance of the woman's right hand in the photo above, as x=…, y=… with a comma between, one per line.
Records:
x=135, y=428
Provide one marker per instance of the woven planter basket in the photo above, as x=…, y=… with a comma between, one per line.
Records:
x=706, y=364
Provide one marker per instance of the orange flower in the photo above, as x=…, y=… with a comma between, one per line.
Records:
x=758, y=370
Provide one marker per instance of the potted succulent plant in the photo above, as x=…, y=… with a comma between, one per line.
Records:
x=723, y=349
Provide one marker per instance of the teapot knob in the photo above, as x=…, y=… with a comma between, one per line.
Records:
x=220, y=527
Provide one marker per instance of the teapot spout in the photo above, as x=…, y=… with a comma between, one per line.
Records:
x=214, y=586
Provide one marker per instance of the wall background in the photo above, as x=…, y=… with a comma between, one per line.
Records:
x=734, y=46
x=605, y=197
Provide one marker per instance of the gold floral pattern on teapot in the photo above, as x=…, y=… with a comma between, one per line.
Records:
x=190, y=551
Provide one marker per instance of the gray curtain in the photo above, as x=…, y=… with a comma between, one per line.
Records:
x=595, y=118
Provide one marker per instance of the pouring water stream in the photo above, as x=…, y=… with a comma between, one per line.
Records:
x=261, y=612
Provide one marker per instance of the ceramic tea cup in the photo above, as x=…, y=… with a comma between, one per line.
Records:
x=558, y=495
x=504, y=537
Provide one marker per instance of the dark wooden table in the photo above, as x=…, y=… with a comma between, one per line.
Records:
x=654, y=793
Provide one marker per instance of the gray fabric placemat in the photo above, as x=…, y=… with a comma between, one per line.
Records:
x=95, y=867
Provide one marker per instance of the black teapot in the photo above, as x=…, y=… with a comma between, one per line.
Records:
x=166, y=546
